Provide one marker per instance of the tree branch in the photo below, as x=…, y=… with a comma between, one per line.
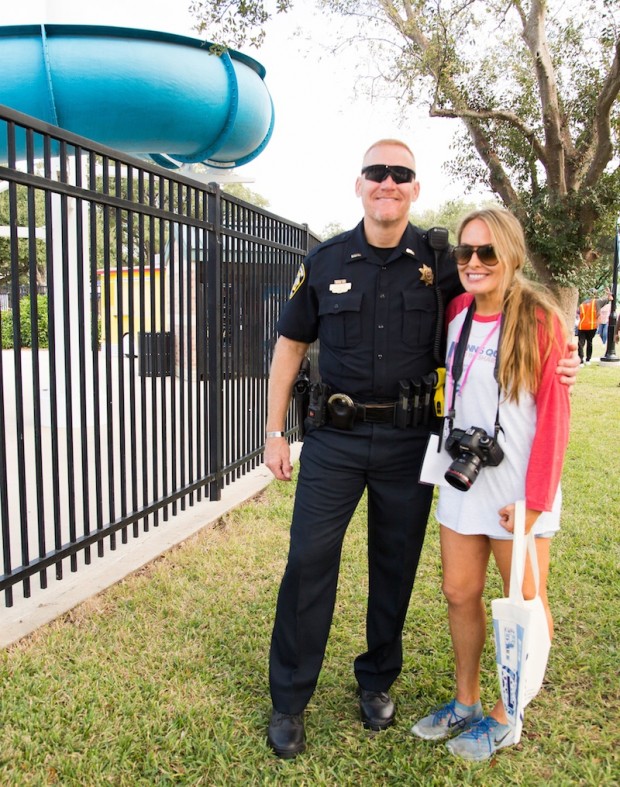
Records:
x=497, y=115
x=498, y=179
x=601, y=146
x=558, y=144
x=408, y=27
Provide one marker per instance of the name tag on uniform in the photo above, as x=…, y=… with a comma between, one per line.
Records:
x=340, y=285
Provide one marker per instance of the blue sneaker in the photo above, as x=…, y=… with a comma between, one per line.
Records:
x=482, y=740
x=447, y=720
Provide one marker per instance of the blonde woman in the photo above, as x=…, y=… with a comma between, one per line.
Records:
x=505, y=337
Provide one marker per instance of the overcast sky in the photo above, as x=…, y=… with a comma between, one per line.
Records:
x=308, y=170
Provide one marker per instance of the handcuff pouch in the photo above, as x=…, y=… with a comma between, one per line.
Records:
x=342, y=411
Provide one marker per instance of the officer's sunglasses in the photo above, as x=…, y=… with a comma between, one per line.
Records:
x=379, y=172
x=486, y=254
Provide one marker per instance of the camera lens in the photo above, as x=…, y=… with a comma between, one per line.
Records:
x=463, y=472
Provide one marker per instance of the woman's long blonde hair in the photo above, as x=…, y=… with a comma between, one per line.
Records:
x=526, y=306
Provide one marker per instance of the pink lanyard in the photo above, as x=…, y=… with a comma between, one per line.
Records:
x=478, y=352
x=458, y=359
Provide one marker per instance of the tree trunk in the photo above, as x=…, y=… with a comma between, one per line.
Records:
x=568, y=298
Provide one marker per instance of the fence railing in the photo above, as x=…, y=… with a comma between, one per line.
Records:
x=138, y=385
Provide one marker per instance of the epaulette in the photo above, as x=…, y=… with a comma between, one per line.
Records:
x=336, y=240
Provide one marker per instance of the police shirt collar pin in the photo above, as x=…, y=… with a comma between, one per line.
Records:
x=410, y=251
x=356, y=255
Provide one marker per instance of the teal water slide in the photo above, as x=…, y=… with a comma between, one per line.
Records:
x=146, y=93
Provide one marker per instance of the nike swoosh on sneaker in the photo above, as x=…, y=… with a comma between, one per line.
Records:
x=497, y=740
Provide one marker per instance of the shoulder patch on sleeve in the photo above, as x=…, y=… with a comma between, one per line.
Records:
x=299, y=280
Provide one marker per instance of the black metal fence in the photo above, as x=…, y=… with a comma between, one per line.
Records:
x=137, y=386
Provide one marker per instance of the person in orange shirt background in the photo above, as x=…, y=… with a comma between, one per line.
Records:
x=586, y=327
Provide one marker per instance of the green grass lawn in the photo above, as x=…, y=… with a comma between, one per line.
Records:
x=163, y=678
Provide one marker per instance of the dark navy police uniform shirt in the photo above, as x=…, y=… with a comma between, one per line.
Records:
x=375, y=319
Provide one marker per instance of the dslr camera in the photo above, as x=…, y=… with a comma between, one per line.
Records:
x=471, y=449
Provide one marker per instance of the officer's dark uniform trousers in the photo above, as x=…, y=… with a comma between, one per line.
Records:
x=335, y=468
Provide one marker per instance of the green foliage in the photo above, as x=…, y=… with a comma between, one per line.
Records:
x=28, y=211
x=25, y=324
x=6, y=329
x=235, y=24
x=241, y=191
x=555, y=234
x=448, y=215
x=331, y=230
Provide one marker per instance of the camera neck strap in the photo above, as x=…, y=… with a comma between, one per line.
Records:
x=456, y=369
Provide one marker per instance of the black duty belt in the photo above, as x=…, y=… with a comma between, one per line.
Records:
x=375, y=413
x=413, y=408
x=343, y=411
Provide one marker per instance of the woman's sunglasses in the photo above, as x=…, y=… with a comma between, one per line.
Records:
x=486, y=254
x=379, y=172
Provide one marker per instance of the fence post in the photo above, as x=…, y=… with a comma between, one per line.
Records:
x=214, y=333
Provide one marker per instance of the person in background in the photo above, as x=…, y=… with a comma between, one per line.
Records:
x=370, y=296
x=505, y=339
x=586, y=328
x=603, y=316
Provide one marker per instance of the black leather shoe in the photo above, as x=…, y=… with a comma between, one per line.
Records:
x=286, y=734
x=377, y=709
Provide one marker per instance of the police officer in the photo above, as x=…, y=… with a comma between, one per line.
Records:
x=371, y=297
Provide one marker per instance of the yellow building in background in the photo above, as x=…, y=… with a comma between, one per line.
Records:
x=132, y=282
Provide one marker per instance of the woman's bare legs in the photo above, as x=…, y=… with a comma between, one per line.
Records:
x=464, y=561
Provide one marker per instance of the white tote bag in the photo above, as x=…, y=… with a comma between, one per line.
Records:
x=522, y=639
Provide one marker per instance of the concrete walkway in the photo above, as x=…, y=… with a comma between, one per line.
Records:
x=43, y=606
